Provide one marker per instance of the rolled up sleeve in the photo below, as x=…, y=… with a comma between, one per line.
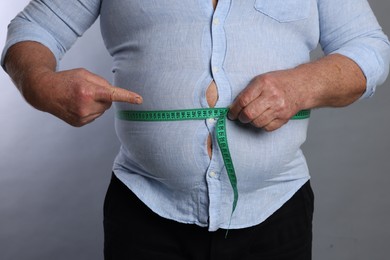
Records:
x=56, y=24
x=350, y=28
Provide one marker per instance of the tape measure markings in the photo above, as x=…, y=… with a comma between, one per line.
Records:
x=200, y=114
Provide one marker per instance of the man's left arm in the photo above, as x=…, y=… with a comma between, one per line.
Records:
x=271, y=99
x=356, y=60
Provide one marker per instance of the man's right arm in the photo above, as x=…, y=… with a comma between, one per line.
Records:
x=76, y=96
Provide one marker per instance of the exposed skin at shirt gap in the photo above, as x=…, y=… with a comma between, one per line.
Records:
x=211, y=97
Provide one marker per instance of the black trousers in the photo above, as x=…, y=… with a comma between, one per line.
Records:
x=133, y=231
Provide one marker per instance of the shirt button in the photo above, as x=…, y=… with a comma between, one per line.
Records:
x=212, y=174
x=216, y=21
x=211, y=120
x=215, y=69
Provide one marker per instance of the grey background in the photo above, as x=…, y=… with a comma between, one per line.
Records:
x=53, y=177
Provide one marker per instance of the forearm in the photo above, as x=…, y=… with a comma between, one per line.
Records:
x=271, y=99
x=25, y=63
x=76, y=96
x=332, y=81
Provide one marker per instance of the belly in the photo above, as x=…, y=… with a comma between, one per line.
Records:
x=173, y=153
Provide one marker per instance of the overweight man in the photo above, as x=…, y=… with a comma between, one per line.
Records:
x=212, y=105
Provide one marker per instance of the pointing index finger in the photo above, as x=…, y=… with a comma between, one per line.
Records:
x=115, y=94
x=123, y=95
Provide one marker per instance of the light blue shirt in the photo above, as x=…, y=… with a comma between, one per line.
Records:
x=169, y=52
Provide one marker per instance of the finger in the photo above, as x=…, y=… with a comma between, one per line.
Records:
x=94, y=116
x=234, y=110
x=109, y=93
x=274, y=125
x=115, y=94
x=264, y=119
x=270, y=120
x=253, y=110
x=79, y=122
x=123, y=95
x=248, y=95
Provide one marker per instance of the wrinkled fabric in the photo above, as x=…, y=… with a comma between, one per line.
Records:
x=170, y=51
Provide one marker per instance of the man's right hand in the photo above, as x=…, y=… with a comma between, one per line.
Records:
x=76, y=96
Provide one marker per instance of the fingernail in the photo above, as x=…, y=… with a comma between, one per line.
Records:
x=230, y=117
x=138, y=100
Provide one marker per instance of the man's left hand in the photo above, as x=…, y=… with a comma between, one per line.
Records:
x=269, y=101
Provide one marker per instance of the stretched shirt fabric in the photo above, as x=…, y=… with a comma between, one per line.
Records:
x=170, y=51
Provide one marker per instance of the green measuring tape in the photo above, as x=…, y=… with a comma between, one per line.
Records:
x=200, y=114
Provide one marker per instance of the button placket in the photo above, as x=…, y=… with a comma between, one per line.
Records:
x=219, y=45
x=216, y=167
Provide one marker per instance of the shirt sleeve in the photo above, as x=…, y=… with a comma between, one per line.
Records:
x=54, y=23
x=350, y=28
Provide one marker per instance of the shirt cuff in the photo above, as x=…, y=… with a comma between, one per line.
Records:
x=374, y=65
x=19, y=31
